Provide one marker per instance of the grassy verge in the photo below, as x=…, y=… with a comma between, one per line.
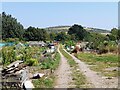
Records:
x=48, y=80
x=101, y=63
x=44, y=82
x=69, y=58
x=78, y=78
x=51, y=63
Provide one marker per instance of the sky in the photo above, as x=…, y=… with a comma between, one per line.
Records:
x=102, y=15
x=60, y=0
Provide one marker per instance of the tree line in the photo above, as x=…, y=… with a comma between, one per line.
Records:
x=11, y=28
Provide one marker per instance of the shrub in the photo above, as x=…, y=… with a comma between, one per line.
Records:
x=47, y=63
x=12, y=40
x=8, y=55
x=19, y=57
x=103, y=50
x=32, y=62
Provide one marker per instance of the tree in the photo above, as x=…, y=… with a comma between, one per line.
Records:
x=114, y=34
x=118, y=34
x=35, y=34
x=11, y=28
x=95, y=39
x=52, y=36
x=78, y=31
x=62, y=36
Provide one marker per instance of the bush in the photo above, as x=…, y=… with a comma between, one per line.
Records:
x=51, y=63
x=12, y=40
x=108, y=46
x=103, y=50
x=113, y=47
x=32, y=62
x=8, y=55
x=70, y=43
x=19, y=57
x=47, y=63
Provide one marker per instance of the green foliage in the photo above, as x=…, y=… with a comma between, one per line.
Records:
x=50, y=63
x=108, y=46
x=12, y=40
x=8, y=55
x=12, y=31
x=43, y=82
x=114, y=34
x=62, y=36
x=113, y=47
x=70, y=59
x=70, y=43
x=78, y=31
x=47, y=63
x=52, y=36
x=93, y=57
x=11, y=28
x=30, y=55
x=79, y=78
x=99, y=63
x=32, y=62
x=118, y=34
x=35, y=34
x=95, y=40
x=56, y=61
x=111, y=37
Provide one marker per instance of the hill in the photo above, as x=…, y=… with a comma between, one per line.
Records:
x=97, y=30
x=57, y=29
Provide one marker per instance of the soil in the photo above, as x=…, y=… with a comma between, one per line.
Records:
x=64, y=78
x=63, y=74
x=98, y=81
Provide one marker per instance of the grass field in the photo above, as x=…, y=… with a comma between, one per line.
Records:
x=101, y=63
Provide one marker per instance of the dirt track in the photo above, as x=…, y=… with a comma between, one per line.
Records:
x=96, y=80
x=64, y=78
x=63, y=74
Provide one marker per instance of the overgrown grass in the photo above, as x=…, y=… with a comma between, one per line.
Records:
x=42, y=49
x=44, y=82
x=56, y=60
x=48, y=81
x=99, y=63
x=69, y=58
x=78, y=78
x=51, y=63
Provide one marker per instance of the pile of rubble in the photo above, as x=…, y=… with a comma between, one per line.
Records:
x=16, y=75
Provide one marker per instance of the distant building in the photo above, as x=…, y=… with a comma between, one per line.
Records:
x=81, y=44
x=37, y=43
x=19, y=46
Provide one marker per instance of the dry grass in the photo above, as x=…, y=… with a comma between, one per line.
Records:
x=100, y=63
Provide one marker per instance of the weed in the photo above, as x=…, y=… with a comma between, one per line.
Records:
x=100, y=62
x=78, y=78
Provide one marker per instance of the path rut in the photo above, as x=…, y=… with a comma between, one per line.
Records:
x=96, y=80
x=63, y=74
